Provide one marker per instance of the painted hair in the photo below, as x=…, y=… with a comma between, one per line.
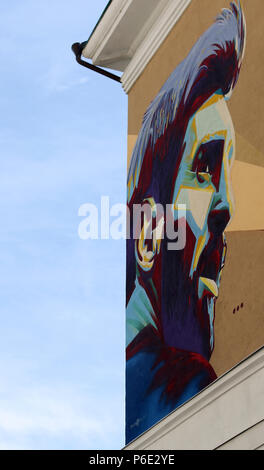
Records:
x=213, y=65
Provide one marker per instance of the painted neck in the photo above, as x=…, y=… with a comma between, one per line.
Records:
x=139, y=313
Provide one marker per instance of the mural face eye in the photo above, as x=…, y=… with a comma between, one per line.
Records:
x=202, y=167
x=208, y=162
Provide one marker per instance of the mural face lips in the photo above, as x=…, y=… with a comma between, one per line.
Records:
x=209, y=273
x=210, y=265
x=209, y=269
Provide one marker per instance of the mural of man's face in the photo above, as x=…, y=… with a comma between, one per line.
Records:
x=203, y=184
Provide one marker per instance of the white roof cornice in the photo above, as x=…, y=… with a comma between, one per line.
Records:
x=225, y=410
x=129, y=34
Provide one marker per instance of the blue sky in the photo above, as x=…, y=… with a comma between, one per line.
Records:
x=63, y=143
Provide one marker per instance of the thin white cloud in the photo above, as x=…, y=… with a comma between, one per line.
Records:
x=57, y=78
x=56, y=414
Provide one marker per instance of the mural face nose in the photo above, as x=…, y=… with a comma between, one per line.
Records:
x=218, y=220
x=226, y=193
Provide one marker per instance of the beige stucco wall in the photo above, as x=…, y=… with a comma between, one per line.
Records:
x=239, y=334
x=247, y=104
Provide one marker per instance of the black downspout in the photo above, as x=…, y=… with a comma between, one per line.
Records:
x=77, y=50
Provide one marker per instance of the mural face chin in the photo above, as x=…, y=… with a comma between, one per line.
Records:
x=203, y=184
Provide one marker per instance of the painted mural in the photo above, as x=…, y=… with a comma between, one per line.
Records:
x=182, y=158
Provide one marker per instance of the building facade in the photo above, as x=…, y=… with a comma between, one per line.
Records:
x=192, y=71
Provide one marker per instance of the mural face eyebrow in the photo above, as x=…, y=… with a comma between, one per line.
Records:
x=208, y=161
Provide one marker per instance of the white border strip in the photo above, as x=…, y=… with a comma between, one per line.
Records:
x=109, y=22
x=153, y=40
x=228, y=381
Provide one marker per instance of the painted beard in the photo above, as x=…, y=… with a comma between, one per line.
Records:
x=210, y=267
x=188, y=304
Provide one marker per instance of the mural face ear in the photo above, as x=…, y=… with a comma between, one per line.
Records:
x=147, y=246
